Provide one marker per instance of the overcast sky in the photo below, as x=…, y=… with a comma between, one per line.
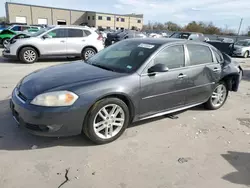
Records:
x=220, y=12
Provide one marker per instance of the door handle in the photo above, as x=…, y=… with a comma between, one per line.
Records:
x=83, y=40
x=182, y=76
x=216, y=69
x=62, y=41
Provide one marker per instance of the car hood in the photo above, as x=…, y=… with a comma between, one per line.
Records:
x=63, y=76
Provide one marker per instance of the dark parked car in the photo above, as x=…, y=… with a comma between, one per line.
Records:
x=189, y=36
x=129, y=81
x=121, y=35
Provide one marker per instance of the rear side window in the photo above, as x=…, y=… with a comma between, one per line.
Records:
x=199, y=54
x=75, y=33
x=87, y=33
x=218, y=55
x=173, y=57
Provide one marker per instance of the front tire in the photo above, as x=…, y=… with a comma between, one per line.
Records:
x=246, y=54
x=88, y=53
x=106, y=121
x=28, y=55
x=218, y=97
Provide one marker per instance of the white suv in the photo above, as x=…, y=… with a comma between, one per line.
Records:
x=55, y=41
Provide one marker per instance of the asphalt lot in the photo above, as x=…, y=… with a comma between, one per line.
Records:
x=199, y=149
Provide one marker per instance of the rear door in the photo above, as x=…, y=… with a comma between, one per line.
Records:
x=203, y=73
x=55, y=44
x=76, y=40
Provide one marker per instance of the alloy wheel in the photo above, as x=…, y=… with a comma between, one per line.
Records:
x=29, y=55
x=219, y=95
x=109, y=121
x=88, y=54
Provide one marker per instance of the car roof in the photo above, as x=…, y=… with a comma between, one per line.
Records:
x=162, y=41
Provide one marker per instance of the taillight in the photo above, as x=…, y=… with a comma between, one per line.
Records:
x=100, y=37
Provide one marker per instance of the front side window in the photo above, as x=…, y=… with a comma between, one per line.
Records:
x=75, y=33
x=199, y=54
x=16, y=28
x=58, y=33
x=124, y=57
x=173, y=57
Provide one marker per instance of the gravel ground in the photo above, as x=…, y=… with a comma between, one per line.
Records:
x=199, y=149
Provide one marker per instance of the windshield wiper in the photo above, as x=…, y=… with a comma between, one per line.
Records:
x=102, y=67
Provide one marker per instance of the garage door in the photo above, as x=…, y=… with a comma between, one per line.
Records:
x=21, y=19
x=43, y=21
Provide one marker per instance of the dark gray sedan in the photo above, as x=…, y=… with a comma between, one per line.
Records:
x=129, y=81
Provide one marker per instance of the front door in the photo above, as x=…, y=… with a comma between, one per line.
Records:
x=55, y=44
x=203, y=73
x=164, y=91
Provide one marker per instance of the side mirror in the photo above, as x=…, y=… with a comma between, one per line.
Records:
x=46, y=36
x=158, y=68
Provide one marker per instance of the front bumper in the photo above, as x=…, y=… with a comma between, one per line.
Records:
x=238, y=53
x=47, y=121
x=6, y=53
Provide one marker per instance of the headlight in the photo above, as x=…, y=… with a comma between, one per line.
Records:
x=54, y=99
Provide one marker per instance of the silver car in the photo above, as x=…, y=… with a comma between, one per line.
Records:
x=242, y=48
x=55, y=41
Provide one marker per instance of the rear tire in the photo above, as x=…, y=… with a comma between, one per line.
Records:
x=246, y=54
x=103, y=128
x=28, y=55
x=88, y=53
x=218, y=97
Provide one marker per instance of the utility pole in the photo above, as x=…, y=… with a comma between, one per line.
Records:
x=241, y=20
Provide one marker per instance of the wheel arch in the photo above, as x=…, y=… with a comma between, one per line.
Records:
x=89, y=46
x=231, y=81
x=24, y=46
x=123, y=97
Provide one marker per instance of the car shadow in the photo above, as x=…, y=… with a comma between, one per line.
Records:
x=13, y=137
x=246, y=75
x=42, y=60
x=241, y=162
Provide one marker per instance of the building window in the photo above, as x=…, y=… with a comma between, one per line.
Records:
x=99, y=27
x=122, y=19
x=117, y=19
x=99, y=17
x=108, y=27
x=93, y=17
x=109, y=18
x=117, y=28
x=88, y=17
x=138, y=21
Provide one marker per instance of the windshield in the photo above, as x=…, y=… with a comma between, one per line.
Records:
x=41, y=31
x=125, y=56
x=243, y=43
x=180, y=35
